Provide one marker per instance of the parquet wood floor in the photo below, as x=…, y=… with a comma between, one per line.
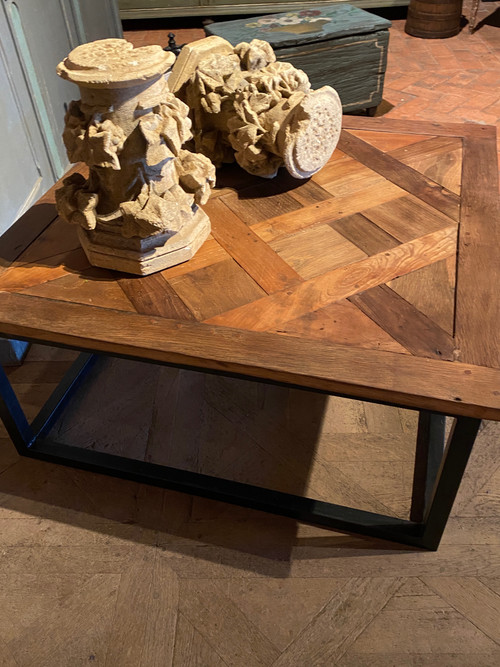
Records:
x=101, y=571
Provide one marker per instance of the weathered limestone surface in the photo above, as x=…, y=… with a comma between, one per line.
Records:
x=248, y=107
x=139, y=209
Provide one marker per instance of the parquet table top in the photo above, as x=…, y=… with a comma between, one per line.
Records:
x=377, y=278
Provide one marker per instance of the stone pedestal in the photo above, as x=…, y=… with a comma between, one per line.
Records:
x=248, y=107
x=138, y=211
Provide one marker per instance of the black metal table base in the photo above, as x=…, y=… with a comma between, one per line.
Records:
x=438, y=470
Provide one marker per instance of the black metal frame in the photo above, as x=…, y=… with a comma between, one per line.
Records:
x=438, y=469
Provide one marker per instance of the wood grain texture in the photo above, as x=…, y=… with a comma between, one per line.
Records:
x=18, y=278
x=343, y=324
x=340, y=283
x=432, y=291
x=264, y=200
x=325, y=212
x=206, y=606
x=416, y=332
x=215, y=289
x=405, y=177
x=472, y=599
x=364, y=233
x=453, y=388
x=406, y=218
x=385, y=141
x=152, y=295
x=248, y=250
x=406, y=126
x=479, y=247
x=346, y=615
x=92, y=286
x=316, y=250
x=31, y=224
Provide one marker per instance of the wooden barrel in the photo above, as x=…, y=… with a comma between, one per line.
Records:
x=433, y=19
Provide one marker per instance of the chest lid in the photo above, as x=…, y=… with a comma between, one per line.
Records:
x=316, y=24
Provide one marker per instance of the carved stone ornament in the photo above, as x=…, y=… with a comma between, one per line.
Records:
x=248, y=107
x=138, y=211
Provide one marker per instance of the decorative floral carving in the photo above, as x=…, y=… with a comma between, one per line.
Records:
x=256, y=55
x=75, y=204
x=245, y=106
x=151, y=213
x=196, y=175
x=104, y=141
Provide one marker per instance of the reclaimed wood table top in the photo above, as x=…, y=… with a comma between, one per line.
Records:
x=377, y=278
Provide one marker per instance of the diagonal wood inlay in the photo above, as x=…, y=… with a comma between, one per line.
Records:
x=405, y=177
x=416, y=332
x=258, y=259
x=268, y=312
x=152, y=295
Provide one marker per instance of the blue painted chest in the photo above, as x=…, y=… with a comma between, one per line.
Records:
x=341, y=46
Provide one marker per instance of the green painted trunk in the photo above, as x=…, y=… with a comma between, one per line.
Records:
x=341, y=46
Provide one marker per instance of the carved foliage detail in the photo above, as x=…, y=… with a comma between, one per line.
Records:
x=92, y=139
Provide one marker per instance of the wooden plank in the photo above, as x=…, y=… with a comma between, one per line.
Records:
x=478, y=269
x=472, y=599
x=23, y=232
x=261, y=201
x=433, y=631
x=31, y=224
x=18, y=278
x=192, y=649
x=438, y=158
x=388, y=142
x=146, y=636
x=416, y=332
x=341, y=323
x=432, y=291
x=364, y=233
x=215, y=615
x=260, y=261
x=316, y=250
x=309, y=192
x=326, y=212
x=268, y=312
x=405, y=177
x=210, y=253
x=85, y=613
x=405, y=126
x=215, y=289
x=453, y=388
x=341, y=621
x=57, y=238
x=346, y=176
x=153, y=295
x=406, y=218
x=94, y=286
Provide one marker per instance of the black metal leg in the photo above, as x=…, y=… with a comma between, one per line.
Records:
x=13, y=416
x=428, y=457
x=459, y=447
x=62, y=393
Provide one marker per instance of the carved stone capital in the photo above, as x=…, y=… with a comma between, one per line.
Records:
x=138, y=210
x=248, y=107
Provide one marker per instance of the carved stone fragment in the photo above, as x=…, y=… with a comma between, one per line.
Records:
x=248, y=107
x=138, y=211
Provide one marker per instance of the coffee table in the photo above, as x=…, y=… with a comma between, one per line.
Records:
x=377, y=280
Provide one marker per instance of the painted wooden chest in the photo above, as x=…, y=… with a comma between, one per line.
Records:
x=340, y=45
